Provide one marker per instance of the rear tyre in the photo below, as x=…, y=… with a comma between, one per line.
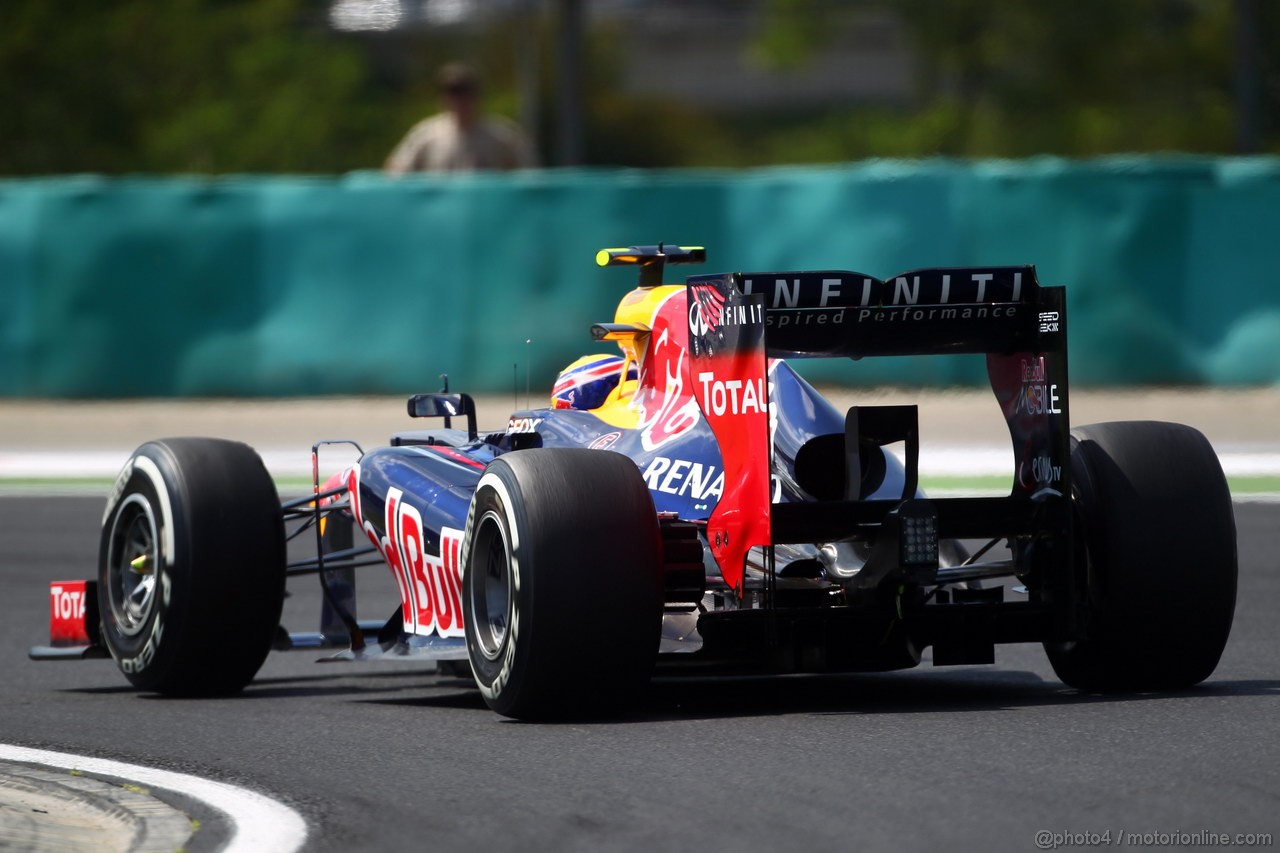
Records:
x=191, y=567
x=1159, y=558
x=561, y=590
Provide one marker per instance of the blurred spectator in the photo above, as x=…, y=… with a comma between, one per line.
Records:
x=461, y=138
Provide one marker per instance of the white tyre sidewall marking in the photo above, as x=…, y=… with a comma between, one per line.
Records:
x=257, y=821
x=148, y=468
x=501, y=533
x=152, y=471
x=492, y=480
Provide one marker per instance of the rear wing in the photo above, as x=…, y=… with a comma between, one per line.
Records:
x=737, y=321
x=952, y=310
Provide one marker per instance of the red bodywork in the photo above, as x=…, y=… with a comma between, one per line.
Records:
x=730, y=383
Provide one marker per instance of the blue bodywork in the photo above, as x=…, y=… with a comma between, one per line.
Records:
x=685, y=475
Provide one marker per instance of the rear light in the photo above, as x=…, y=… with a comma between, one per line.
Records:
x=918, y=546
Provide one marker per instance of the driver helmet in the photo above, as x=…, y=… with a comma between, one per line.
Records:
x=587, y=382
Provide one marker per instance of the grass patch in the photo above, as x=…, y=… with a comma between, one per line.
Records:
x=987, y=486
x=1246, y=485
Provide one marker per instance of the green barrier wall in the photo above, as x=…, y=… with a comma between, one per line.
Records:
x=355, y=285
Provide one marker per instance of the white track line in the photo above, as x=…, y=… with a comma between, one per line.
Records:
x=935, y=460
x=257, y=821
x=59, y=464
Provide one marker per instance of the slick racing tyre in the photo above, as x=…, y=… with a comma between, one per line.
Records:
x=561, y=588
x=1159, y=543
x=191, y=567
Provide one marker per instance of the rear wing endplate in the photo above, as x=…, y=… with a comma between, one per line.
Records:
x=835, y=313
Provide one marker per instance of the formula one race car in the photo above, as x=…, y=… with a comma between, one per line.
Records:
x=693, y=504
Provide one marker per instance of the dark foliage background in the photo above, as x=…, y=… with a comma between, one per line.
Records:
x=219, y=86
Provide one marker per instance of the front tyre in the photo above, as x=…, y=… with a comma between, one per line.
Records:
x=1160, y=566
x=561, y=587
x=191, y=567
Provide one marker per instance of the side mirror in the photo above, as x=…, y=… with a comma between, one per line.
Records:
x=447, y=406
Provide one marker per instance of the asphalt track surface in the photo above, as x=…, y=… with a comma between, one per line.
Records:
x=396, y=757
